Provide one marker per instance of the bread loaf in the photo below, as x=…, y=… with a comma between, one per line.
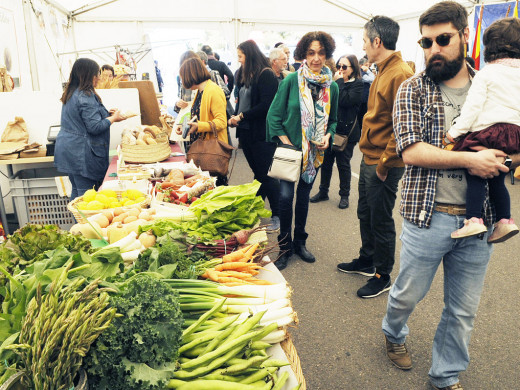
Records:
x=176, y=176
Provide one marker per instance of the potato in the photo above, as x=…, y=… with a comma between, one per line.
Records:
x=118, y=211
x=133, y=211
x=130, y=218
x=100, y=219
x=145, y=215
x=108, y=214
x=120, y=217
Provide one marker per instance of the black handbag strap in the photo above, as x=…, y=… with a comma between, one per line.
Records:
x=352, y=128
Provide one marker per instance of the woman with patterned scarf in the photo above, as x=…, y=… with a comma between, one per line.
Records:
x=303, y=114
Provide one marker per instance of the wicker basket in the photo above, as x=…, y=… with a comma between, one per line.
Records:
x=292, y=355
x=88, y=213
x=147, y=154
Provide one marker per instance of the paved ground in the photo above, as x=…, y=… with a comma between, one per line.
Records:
x=339, y=338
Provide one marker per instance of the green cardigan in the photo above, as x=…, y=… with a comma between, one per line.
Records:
x=284, y=117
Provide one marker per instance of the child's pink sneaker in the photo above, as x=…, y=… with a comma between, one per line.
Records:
x=504, y=230
x=472, y=227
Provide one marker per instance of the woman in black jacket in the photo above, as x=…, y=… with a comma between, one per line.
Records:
x=257, y=85
x=348, y=78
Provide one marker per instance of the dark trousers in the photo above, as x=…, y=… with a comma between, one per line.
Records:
x=80, y=185
x=259, y=156
x=498, y=194
x=375, y=206
x=301, y=209
x=343, y=162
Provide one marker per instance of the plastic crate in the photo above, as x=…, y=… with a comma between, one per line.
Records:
x=37, y=201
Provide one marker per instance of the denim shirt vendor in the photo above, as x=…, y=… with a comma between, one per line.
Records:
x=83, y=141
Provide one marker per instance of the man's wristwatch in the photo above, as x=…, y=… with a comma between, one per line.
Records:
x=241, y=116
x=508, y=161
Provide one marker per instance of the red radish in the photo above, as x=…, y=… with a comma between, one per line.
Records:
x=243, y=235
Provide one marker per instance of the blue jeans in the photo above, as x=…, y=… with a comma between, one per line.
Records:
x=80, y=185
x=465, y=263
x=301, y=209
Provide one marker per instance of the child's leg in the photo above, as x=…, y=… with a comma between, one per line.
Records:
x=500, y=196
x=475, y=196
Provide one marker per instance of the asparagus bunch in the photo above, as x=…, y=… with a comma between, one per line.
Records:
x=58, y=330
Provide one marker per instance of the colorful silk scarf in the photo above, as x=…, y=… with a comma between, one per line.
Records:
x=314, y=116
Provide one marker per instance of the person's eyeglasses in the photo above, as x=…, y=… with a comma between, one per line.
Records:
x=344, y=67
x=442, y=40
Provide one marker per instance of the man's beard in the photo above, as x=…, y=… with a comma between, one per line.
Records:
x=444, y=70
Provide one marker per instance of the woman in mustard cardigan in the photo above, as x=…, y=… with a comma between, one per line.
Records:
x=209, y=104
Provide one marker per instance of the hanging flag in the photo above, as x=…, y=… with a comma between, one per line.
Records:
x=476, y=42
x=515, y=11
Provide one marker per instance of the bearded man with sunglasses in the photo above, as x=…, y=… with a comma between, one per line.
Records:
x=381, y=168
x=433, y=200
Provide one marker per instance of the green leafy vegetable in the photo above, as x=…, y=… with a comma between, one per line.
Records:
x=173, y=260
x=220, y=213
x=140, y=347
x=29, y=244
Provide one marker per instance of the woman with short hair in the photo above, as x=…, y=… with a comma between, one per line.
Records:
x=303, y=114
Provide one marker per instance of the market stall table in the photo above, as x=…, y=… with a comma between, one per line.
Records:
x=175, y=156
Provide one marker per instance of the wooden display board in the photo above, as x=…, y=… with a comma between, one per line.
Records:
x=150, y=111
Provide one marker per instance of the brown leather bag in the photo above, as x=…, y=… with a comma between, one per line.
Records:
x=211, y=154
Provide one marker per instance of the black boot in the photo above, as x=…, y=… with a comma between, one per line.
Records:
x=286, y=251
x=282, y=261
x=300, y=250
x=320, y=196
x=343, y=203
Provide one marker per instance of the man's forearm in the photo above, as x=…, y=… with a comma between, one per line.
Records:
x=486, y=163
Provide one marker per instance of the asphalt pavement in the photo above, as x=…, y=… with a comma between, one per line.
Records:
x=339, y=338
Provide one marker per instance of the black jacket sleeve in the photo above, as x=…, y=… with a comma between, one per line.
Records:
x=266, y=87
x=350, y=94
x=229, y=74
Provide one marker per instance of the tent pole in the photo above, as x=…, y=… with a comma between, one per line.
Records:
x=31, y=52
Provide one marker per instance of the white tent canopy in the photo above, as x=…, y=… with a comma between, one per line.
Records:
x=51, y=34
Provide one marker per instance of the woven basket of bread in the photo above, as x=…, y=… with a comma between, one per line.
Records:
x=145, y=144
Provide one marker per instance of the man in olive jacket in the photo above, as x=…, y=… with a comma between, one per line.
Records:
x=381, y=168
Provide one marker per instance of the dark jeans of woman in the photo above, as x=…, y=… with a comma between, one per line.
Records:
x=343, y=161
x=301, y=210
x=81, y=184
x=259, y=156
x=498, y=194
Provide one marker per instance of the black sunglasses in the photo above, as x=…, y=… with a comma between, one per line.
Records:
x=442, y=40
x=344, y=67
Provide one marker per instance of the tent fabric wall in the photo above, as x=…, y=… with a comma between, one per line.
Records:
x=129, y=21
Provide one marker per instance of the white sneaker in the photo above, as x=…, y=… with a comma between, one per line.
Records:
x=504, y=230
x=472, y=227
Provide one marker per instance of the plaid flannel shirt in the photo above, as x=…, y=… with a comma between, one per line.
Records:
x=418, y=116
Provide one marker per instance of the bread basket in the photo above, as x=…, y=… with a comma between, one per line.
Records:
x=147, y=154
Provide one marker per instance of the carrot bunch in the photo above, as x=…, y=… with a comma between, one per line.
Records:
x=237, y=268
